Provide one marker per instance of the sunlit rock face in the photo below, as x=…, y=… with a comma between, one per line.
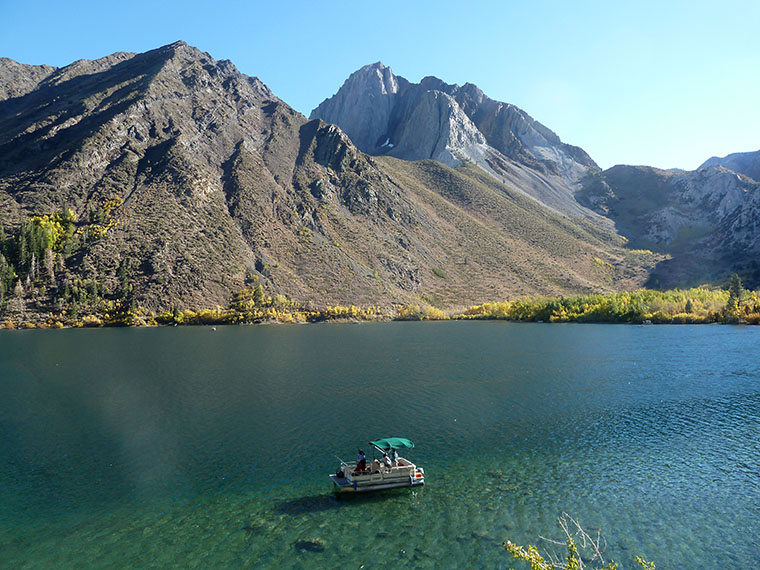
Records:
x=747, y=163
x=385, y=114
x=708, y=219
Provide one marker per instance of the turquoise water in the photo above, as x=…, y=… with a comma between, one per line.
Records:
x=196, y=448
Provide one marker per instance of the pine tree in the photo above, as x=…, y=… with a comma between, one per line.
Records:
x=48, y=263
x=6, y=277
x=735, y=291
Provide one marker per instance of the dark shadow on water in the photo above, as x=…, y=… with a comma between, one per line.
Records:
x=331, y=501
x=312, y=504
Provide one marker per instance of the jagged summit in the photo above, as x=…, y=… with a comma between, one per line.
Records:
x=747, y=163
x=377, y=66
x=384, y=114
x=347, y=108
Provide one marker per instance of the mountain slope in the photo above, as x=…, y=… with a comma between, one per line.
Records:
x=706, y=219
x=747, y=163
x=190, y=180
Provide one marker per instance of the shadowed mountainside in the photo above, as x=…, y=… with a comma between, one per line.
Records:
x=708, y=220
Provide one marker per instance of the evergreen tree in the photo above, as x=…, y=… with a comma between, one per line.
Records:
x=125, y=292
x=735, y=291
x=258, y=295
x=6, y=277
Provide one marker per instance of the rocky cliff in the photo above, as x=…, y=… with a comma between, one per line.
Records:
x=168, y=179
x=747, y=163
x=703, y=219
x=385, y=114
x=706, y=219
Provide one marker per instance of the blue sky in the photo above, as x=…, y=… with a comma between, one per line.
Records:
x=666, y=84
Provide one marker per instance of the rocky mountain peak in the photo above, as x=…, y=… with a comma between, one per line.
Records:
x=348, y=108
x=384, y=114
x=376, y=75
x=747, y=163
x=373, y=100
x=432, y=83
x=17, y=79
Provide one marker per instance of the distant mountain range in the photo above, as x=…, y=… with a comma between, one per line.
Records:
x=705, y=220
x=169, y=179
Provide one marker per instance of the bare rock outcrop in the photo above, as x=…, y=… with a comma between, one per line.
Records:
x=747, y=163
x=385, y=114
x=705, y=219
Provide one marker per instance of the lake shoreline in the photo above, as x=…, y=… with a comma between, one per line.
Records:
x=275, y=322
x=698, y=305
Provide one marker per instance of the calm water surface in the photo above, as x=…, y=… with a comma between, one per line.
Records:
x=195, y=448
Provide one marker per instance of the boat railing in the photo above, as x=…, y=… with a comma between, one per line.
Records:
x=403, y=466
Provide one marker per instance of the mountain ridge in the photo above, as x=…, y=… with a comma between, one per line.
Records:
x=188, y=181
x=747, y=163
x=703, y=219
x=389, y=115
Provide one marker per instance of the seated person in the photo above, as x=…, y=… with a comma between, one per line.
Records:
x=375, y=466
x=386, y=461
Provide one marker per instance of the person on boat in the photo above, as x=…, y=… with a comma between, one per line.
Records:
x=394, y=458
x=386, y=460
x=361, y=461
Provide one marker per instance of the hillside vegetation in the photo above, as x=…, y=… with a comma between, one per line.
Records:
x=254, y=305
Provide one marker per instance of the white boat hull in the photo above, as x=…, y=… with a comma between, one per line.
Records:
x=404, y=475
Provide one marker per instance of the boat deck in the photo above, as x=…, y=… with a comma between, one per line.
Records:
x=405, y=474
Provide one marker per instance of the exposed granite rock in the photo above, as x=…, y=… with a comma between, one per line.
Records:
x=435, y=127
x=747, y=163
x=375, y=83
x=705, y=218
x=385, y=114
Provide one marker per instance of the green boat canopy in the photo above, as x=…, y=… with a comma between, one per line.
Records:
x=388, y=443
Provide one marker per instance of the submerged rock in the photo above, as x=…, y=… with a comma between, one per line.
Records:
x=253, y=528
x=310, y=545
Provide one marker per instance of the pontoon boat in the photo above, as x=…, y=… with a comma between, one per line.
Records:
x=377, y=475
